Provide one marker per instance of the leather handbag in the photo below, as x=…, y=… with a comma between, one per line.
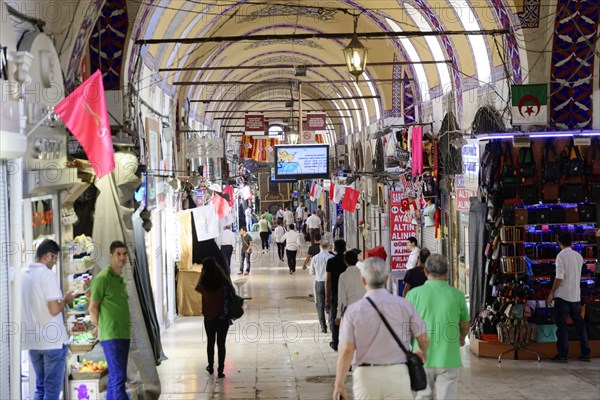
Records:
x=508, y=164
x=557, y=215
x=543, y=215
x=573, y=193
x=594, y=191
x=543, y=315
x=529, y=194
x=233, y=305
x=508, y=216
x=551, y=167
x=575, y=165
x=520, y=216
x=416, y=370
x=587, y=212
x=594, y=157
x=550, y=192
x=571, y=215
x=526, y=162
x=545, y=333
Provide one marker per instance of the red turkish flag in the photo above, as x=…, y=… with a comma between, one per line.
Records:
x=84, y=113
x=350, y=199
x=221, y=205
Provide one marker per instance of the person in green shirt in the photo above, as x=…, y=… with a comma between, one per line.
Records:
x=444, y=310
x=109, y=310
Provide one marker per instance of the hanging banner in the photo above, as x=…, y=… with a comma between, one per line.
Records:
x=254, y=124
x=401, y=229
x=205, y=147
x=316, y=121
x=206, y=222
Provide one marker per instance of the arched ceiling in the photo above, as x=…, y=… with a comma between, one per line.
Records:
x=472, y=59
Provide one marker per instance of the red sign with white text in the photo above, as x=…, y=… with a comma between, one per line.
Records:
x=463, y=202
x=254, y=124
x=316, y=121
x=400, y=230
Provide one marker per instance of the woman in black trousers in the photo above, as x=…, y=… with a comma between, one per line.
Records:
x=212, y=285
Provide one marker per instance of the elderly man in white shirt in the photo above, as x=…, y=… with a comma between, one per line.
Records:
x=299, y=216
x=379, y=364
x=350, y=287
x=227, y=245
x=413, y=258
x=288, y=217
x=278, y=235
x=317, y=268
x=292, y=245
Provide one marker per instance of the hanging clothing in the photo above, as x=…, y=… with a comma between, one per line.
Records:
x=477, y=239
x=416, y=143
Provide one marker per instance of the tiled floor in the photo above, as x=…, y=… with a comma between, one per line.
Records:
x=276, y=351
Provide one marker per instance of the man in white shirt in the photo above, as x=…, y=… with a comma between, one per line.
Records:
x=318, y=265
x=279, y=216
x=44, y=332
x=566, y=293
x=299, y=216
x=350, y=287
x=278, y=234
x=413, y=258
x=292, y=245
x=227, y=246
x=313, y=224
x=288, y=217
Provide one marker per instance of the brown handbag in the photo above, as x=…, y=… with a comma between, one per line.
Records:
x=550, y=192
x=571, y=215
x=520, y=216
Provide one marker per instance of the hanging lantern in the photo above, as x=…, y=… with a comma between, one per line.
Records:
x=356, y=54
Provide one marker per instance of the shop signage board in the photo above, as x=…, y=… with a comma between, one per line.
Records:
x=205, y=148
x=254, y=124
x=316, y=121
x=401, y=229
x=462, y=199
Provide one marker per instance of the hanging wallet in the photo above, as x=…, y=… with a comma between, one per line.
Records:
x=571, y=215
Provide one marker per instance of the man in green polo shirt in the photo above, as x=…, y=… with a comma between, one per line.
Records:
x=444, y=310
x=109, y=310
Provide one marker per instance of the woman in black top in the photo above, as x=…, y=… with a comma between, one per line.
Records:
x=212, y=285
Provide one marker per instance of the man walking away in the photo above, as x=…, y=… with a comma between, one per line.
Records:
x=246, y=251
x=264, y=230
x=318, y=265
x=248, y=215
x=350, y=287
x=292, y=245
x=566, y=293
x=321, y=215
x=299, y=216
x=227, y=245
x=416, y=277
x=43, y=304
x=288, y=217
x=278, y=235
x=313, y=250
x=313, y=225
x=379, y=364
x=109, y=310
x=444, y=310
x=335, y=267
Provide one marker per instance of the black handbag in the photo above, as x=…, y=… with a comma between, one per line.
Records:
x=573, y=193
x=508, y=164
x=543, y=215
x=557, y=215
x=543, y=315
x=587, y=212
x=575, y=165
x=595, y=191
x=233, y=305
x=529, y=194
x=551, y=168
x=416, y=370
x=526, y=162
x=508, y=216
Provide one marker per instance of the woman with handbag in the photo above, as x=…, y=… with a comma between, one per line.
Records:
x=213, y=284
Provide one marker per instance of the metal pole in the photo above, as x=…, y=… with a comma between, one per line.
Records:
x=300, y=112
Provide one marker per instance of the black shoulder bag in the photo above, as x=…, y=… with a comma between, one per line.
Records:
x=509, y=184
x=233, y=305
x=416, y=370
x=551, y=168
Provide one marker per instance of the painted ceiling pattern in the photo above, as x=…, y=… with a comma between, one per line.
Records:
x=469, y=56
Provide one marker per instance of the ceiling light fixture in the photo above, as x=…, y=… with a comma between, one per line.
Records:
x=356, y=54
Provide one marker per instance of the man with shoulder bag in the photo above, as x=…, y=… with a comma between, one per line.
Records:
x=368, y=335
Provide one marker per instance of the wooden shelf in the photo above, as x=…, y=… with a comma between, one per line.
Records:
x=554, y=259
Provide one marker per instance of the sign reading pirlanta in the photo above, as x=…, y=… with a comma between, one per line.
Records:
x=316, y=121
x=400, y=230
x=529, y=104
x=254, y=124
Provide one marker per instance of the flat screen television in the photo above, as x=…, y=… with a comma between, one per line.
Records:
x=301, y=161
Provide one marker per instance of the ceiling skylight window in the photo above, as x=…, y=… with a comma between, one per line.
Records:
x=355, y=105
x=343, y=119
x=434, y=46
x=414, y=57
x=373, y=93
x=364, y=104
x=478, y=47
x=348, y=114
